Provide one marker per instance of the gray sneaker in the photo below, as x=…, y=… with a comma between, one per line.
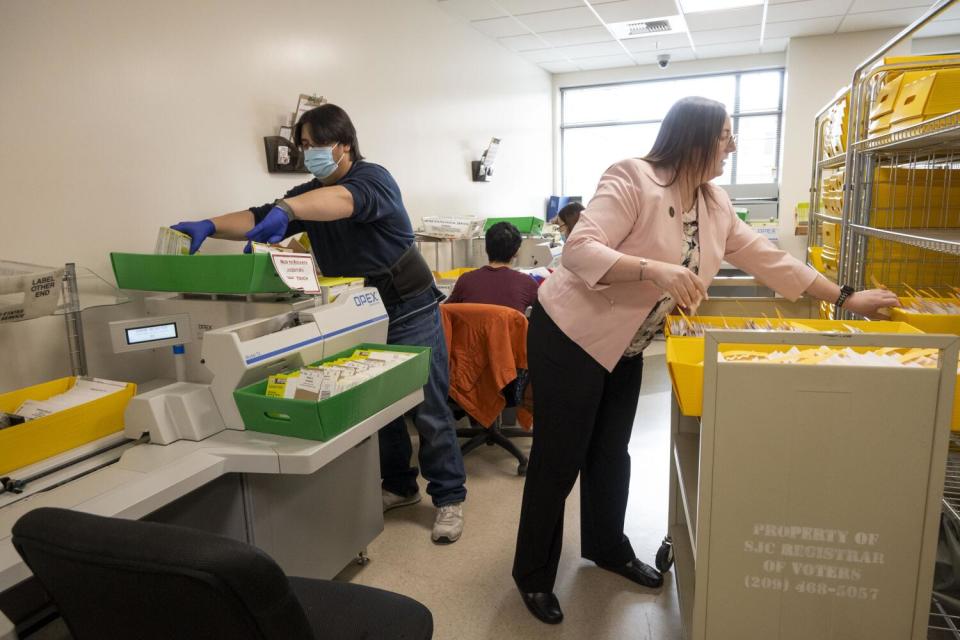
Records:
x=392, y=500
x=449, y=523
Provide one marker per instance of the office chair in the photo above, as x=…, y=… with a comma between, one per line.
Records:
x=114, y=578
x=487, y=346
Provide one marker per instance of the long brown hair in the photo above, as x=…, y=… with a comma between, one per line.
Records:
x=688, y=136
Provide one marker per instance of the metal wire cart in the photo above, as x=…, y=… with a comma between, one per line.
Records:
x=885, y=189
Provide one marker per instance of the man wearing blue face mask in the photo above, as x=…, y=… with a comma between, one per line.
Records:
x=358, y=226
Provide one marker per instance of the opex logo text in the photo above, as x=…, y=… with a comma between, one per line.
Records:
x=365, y=299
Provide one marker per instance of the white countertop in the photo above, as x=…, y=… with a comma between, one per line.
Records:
x=148, y=476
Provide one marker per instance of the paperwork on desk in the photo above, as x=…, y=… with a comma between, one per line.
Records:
x=824, y=355
x=319, y=382
x=172, y=243
x=299, y=243
x=83, y=391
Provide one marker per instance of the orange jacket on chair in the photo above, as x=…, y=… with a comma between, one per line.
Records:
x=486, y=345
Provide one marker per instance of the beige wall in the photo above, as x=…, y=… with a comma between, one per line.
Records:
x=817, y=67
x=121, y=115
x=118, y=116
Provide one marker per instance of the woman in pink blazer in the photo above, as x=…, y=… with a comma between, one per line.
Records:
x=653, y=237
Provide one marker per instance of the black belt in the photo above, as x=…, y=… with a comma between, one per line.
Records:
x=406, y=278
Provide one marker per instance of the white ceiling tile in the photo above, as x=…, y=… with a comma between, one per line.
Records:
x=655, y=43
x=560, y=19
x=940, y=28
x=864, y=6
x=532, y=6
x=723, y=36
x=635, y=9
x=805, y=9
x=880, y=19
x=472, y=9
x=567, y=37
x=772, y=45
x=676, y=55
x=559, y=67
x=523, y=43
x=605, y=62
x=543, y=55
x=590, y=50
x=743, y=17
x=773, y=2
x=500, y=27
x=795, y=28
x=729, y=49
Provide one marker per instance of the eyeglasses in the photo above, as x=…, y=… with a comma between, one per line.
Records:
x=308, y=145
x=729, y=138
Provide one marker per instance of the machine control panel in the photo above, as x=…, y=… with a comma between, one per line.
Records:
x=150, y=332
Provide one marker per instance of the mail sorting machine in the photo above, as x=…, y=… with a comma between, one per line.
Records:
x=185, y=457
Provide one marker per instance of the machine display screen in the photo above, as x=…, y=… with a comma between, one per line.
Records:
x=139, y=335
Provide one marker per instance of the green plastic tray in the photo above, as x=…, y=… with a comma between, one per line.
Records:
x=329, y=418
x=240, y=273
x=526, y=224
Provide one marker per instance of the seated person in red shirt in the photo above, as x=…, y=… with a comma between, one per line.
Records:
x=497, y=283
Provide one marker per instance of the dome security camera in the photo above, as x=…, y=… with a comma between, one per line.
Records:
x=663, y=60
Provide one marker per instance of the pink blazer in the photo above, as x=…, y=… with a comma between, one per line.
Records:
x=631, y=214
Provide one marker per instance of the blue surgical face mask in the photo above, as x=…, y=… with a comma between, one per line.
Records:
x=319, y=161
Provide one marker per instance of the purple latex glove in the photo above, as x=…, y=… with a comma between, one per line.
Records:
x=272, y=229
x=198, y=232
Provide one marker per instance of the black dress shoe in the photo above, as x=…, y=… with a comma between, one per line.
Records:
x=642, y=574
x=544, y=606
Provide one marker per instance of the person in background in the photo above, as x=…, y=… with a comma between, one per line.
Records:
x=568, y=217
x=358, y=226
x=497, y=282
x=653, y=237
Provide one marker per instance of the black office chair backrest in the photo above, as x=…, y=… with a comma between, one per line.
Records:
x=113, y=578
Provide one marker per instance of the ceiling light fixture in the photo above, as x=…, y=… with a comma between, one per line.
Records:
x=698, y=6
x=647, y=27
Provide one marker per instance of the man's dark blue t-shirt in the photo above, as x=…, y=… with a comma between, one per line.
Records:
x=372, y=239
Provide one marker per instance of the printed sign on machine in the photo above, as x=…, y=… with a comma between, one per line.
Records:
x=297, y=271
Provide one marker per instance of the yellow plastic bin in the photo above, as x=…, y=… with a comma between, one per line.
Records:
x=815, y=258
x=928, y=322
x=685, y=354
x=42, y=438
x=452, y=274
x=830, y=232
x=933, y=94
x=882, y=109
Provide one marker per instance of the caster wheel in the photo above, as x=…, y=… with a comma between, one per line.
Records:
x=664, y=558
x=522, y=469
x=363, y=559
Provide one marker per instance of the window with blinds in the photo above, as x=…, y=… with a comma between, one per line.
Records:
x=602, y=124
